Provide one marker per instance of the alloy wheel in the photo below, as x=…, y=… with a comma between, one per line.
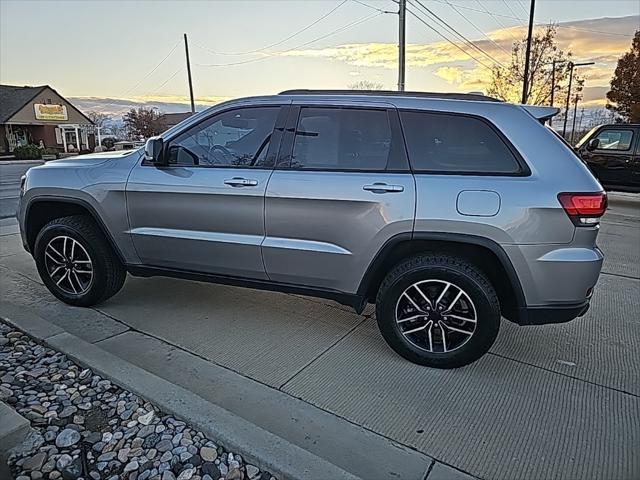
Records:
x=436, y=316
x=68, y=265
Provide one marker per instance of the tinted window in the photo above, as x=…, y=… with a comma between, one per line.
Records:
x=237, y=138
x=614, y=139
x=342, y=139
x=454, y=143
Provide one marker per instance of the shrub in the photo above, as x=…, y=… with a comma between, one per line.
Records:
x=108, y=143
x=27, y=152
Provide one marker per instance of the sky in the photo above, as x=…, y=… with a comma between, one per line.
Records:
x=107, y=54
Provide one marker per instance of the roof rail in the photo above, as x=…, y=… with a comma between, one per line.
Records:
x=451, y=96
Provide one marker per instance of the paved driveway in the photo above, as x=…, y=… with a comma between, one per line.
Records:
x=558, y=401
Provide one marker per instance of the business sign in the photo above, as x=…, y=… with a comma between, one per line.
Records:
x=50, y=112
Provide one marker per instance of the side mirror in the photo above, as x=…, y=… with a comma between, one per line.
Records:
x=593, y=144
x=153, y=151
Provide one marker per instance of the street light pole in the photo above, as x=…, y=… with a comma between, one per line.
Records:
x=402, y=25
x=525, y=81
x=575, y=114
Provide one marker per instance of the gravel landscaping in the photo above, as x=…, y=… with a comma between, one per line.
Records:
x=86, y=427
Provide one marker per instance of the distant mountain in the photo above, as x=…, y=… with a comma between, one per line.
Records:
x=116, y=107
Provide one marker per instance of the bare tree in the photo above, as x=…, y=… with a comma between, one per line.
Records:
x=98, y=118
x=142, y=122
x=365, y=85
x=506, y=82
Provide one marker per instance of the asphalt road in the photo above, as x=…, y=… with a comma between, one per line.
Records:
x=10, y=186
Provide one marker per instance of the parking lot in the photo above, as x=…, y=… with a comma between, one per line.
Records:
x=558, y=401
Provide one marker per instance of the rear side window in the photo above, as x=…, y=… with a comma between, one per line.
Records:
x=342, y=139
x=444, y=143
x=612, y=139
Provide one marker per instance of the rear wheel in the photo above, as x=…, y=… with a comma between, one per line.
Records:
x=438, y=310
x=76, y=263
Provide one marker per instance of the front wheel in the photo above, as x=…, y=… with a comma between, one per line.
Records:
x=76, y=262
x=438, y=310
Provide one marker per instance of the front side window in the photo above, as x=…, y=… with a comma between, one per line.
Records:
x=609, y=139
x=342, y=139
x=444, y=143
x=237, y=138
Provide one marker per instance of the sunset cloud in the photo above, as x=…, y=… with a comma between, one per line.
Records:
x=601, y=40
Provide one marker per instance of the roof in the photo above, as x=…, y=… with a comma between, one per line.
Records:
x=13, y=98
x=174, y=118
x=393, y=93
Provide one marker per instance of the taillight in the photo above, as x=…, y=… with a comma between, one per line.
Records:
x=584, y=209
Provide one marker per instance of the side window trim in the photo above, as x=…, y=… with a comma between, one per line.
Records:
x=397, y=139
x=623, y=129
x=282, y=116
x=524, y=171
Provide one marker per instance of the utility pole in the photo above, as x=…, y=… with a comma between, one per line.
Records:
x=186, y=52
x=566, y=107
x=525, y=81
x=402, y=24
x=575, y=114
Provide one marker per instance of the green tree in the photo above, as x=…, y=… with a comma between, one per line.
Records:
x=624, y=96
x=142, y=122
x=506, y=82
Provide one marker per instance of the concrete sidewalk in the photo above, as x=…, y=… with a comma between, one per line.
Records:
x=558, y=401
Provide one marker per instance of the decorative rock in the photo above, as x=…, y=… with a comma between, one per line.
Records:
x=208, y=454
x=35, y=462
x=63, y=461
x=253, y=472
x=211, y=469
x=147, y=418
x=233, y=474
x=187, y=474
x=131, y=466
x=67, y=437
x=168, y=475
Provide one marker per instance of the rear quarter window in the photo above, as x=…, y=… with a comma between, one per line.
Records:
x=456, y=144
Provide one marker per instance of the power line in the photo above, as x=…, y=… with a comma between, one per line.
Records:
x=510, y=9
x=478, y=28
x=274, y=54
x=302, y=30
x=152, y=70
x=448, y=40
x=458, y=34
x=374, y=8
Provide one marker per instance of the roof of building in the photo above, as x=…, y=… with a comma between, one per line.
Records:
x=174, y=118
x=13, y=98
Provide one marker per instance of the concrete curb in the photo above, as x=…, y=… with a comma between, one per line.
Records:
x=283, y=459
x=14, y=429
x=22, y=162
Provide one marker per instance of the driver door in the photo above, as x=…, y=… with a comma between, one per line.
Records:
x=204, y=212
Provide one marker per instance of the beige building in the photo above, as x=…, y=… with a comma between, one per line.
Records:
x=39, y=115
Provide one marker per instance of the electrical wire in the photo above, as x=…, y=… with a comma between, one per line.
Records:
x=280, y=42
x=458, y=34
x=374, y=8
x=275, y=54
x=447, y=39
x=478, y=28
x=152, y=70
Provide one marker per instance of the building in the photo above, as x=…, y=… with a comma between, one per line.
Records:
x=168, y=120
x=41, y=116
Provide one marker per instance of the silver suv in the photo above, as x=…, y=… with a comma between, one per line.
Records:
x=448, y=211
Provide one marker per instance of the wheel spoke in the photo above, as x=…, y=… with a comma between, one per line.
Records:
x=458, y=317
x=73, y=249
x=444, y=338
x=77, y=279
x=453, y=302
x=62, y=278
x=430, y=337
x=444, y=290
x=64, y=246
x=70, y=282
x=458, y=330
x=57, y=262
x=426, y=299
x=414, y=330
x=50, y=247
x=415, y=305
x=408, y=319
x=56, y=270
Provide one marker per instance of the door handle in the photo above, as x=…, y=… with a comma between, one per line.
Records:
x=383, y=188
x=240, y=182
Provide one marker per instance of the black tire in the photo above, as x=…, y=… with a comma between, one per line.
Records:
x=439, y=268
x=108, y=272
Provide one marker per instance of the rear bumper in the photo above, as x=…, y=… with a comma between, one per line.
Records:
x=544, y=315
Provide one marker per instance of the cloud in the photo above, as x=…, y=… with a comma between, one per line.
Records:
x=164, y=103
x=601, y=40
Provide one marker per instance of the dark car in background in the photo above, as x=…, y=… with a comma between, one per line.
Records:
x=612, y=152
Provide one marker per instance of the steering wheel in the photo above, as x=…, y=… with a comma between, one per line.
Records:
x=220, y=155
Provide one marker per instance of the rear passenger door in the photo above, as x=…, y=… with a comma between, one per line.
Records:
x=341, y=189
x=612, y=161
